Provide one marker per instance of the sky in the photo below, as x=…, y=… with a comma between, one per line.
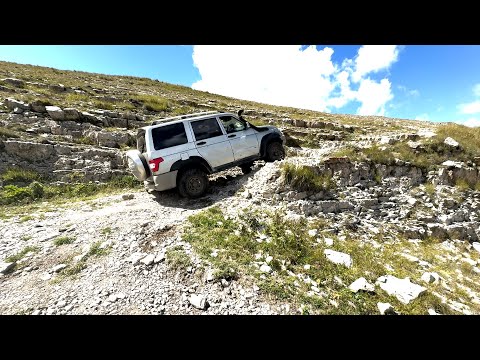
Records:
x=423, y=82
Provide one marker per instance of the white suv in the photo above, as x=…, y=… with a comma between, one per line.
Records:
x=181, y=151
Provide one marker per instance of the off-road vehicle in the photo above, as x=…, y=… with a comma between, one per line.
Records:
x=182, y=151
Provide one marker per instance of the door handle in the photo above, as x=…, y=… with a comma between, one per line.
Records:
x=201, y=143
x=233, y=135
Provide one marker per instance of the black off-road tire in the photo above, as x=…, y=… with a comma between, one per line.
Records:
x=275, y=151
x=193, y=183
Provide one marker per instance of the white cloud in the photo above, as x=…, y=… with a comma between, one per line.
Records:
x=470, y=108
x=373, y=96
x=278, y=75
x=472, y=122
x=373, y=58
x=414, y=93
x=476, y=90
x=423, y=117
x=286, y=75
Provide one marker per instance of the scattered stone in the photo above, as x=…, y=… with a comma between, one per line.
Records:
x=55, y=112
x=361, y=284
x=61, y=303
x=265, y=268
x=312, y=232
x=71, y=114
x=148, y=260
x=476, y=246
x=328, y=241
x=432, y=312
x=120, y=295
x=430, y=277
x=112, y=298
x=6, y=267
x=159, y=258
x=128, y=196
x=268, y=259
x=224, y=283
x=450, y=142
x=386, y=309
x=59, y=267
x=306, y=267
x=45, y=277
x=338, y=257
x=198, y=301
x=404, y=290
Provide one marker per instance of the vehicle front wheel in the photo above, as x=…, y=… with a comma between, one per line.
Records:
x=275, y=152
x=193, y=183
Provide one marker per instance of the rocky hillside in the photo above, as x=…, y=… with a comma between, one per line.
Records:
x=366, y=215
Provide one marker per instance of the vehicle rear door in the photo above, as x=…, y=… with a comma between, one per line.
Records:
x=211, y=142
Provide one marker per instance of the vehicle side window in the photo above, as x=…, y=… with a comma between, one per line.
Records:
x=168, y=136
x=232, y=124
x=207, y=128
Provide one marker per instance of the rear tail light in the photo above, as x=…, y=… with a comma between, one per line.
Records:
x=155, y=164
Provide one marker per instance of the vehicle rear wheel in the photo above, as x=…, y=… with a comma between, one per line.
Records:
x=246, y=168
x=275, y=152
x=193, y=183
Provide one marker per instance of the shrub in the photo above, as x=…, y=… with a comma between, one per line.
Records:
x=304, y=178
x=36, y=190
x=18, y=175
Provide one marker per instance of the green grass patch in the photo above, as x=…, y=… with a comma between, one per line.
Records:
x=96, y=250
x=430, y=189
x=74, y=98
x=72, y=270
x=26, y=218
x=21, y=254
x=153, y=103
x=177, y=259
x=106, y=231
x=462, y=184
x=12, y=194
x=103, y=105
x=467, y=137
x=62, y=240
x=84, y=140
x=6, y=133
x=236, y=246
x=304, y=178
x=15, y=175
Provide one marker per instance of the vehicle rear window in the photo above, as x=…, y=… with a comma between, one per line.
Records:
x=204, y=129
x=168, y=136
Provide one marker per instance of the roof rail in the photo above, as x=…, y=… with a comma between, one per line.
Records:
x=179, y=117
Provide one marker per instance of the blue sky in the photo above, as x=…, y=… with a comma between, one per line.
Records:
x=429, y=82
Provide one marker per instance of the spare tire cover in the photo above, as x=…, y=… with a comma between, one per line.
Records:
x=137, y=165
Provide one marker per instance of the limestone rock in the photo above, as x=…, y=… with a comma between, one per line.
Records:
x=430, y=277
x=404, y=290
x=361, y=284
x=6, y=267
x=338, y=257
x=451, y=142
x=55, y=113
x=148, y=260
x=386, y=309
x=198, y=301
